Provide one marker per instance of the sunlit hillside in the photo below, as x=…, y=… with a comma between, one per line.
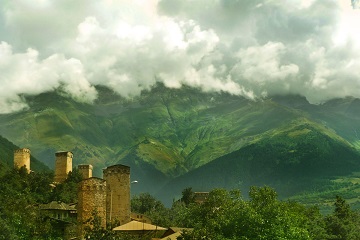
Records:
x=184, y=137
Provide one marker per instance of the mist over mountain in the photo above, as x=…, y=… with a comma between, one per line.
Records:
x=253, y=49
x=180, y=90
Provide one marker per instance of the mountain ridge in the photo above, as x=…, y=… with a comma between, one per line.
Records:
x=270, y=161
x=165, y=134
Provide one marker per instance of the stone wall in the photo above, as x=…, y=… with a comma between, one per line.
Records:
x=91, y=200
x=22, y=158
x=63, y=165
x=117, y=193
x=85, y=170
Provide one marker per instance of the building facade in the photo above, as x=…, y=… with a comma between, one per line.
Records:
x=91, y=202
x=22, y=158
x=63, y=165
x=85, y=170
x=117, y=194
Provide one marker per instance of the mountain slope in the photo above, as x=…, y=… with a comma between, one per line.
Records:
x=341, y=115
x=172, y=130
x=7, y=157
x=166, y=133
x=292, y=159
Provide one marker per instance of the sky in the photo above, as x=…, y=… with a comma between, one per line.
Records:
x=250, y=48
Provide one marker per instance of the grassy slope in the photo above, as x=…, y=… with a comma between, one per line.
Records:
x=294, y=159
x=171, y=130
x=54, y=123
x=166, y=133
x=179, y=134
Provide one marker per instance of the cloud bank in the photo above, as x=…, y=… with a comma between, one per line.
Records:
x=252, y=48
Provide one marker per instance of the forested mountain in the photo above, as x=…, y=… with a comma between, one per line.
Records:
x=174, y=138
x=302, y=156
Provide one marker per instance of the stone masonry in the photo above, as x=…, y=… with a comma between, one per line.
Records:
x=91, y=202
x=22, y=158
x=63, y=165
x=117, y=193
x=85, y=170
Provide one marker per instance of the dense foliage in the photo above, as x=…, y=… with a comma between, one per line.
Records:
x=225, y=215
x=20, y=196
x=165, y=133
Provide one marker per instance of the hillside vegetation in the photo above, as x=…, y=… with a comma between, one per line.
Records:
x=7, y=158
x=175, y=138
x=300, y=157
x=225, y=215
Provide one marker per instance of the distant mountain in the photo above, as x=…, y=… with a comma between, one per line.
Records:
x=292, y=159
x=177, y=137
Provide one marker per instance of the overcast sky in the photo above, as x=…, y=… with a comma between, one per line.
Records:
x=253, y=48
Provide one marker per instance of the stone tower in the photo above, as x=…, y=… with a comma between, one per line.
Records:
x=22, y=158
x=85, y=170
x=117, y=193
x=63, y=165
x=91, y=200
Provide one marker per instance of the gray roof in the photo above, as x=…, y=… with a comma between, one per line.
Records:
x=54, y=205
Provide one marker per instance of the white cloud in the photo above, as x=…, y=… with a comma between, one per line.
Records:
x=25, y=74
x=135, y=57
x=249, y=48
x=261, y=64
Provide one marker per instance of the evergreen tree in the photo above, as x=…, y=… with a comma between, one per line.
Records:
x=343, y=224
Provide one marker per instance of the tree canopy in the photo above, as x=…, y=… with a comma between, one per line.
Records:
x=225, y=215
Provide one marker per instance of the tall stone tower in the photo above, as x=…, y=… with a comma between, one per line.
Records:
x=22, y=158
x=85, y=170
x=91, y=200
x=117, y=193
x=63, y=165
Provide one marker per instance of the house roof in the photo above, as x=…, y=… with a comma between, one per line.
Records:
x=138, y=226
x=54, y=205
x=172, y=236
x=179, y=229
x=173, y=232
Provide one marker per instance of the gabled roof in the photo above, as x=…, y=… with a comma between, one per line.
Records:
x=179, y=229
x=173, y=232
x=138, y=226
x=172, y=236
x=54, y=205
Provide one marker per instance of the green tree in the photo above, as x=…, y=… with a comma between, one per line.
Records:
x=212, y=219
x=342, y=209
x=316, y=224
x=20, y=217
x=177, y=214
x=40, y=186
x=188, y=196
x=343, y=224
x=67, y=190
x=225, y=215
x=146, y=204
x=94, y=230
